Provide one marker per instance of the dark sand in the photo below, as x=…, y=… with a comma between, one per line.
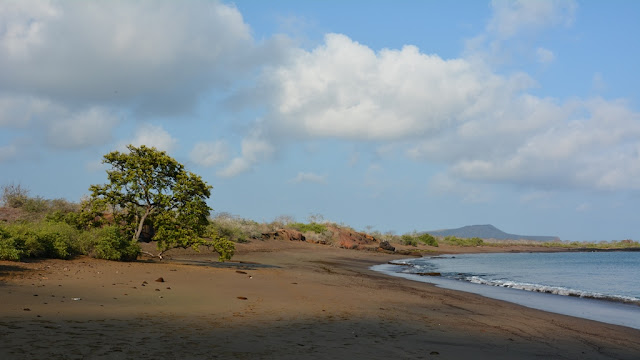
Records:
x=316, y=302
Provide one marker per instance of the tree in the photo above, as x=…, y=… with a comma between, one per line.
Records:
x=149, y=189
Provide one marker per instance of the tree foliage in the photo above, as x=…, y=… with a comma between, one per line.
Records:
x=148, y=189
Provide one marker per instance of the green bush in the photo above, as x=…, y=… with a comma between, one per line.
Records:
x=453, y=240
x=311, y=227
x=407, y=239
x=39, y=240
x=109, y=243
x=9, y=250
x=428, y=239
x=225, y=248
x=36, y=205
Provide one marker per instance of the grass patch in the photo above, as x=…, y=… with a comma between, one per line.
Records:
x=310, y=227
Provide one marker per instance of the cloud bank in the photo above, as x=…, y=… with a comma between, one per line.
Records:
x=486, y=127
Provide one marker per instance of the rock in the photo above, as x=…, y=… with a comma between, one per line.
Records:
x=284, y=234
x=349, y=239
x=430, y=274
x=241, y=298
x=160, y=279
x=386, y=246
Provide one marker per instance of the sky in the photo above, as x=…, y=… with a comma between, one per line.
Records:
x=393, y=116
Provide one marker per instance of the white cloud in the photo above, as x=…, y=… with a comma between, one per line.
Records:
x=511, y=17
x=513, y=26
x=152, y=136
x=208, y=154
x=596, y=146
x=255, y=148
x=309, y=177
x=544, y=56
x=87, y=128
x=344, y=89
x=152, y=56
x=482, y=126
x=136, y=57
x=61, y=127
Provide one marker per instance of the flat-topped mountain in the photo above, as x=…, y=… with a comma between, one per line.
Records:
x=488, y=232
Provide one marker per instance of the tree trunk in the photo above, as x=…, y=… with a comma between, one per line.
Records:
x=147, y=211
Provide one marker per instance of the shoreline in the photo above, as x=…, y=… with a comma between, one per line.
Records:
x=611, y=309
x=315, y=302
x=602, y=310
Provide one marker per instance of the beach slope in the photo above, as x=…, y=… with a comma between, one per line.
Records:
x=278, y=300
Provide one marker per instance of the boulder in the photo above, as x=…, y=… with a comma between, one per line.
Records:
x=284, y=234
x=350, y=239
x=386, y=246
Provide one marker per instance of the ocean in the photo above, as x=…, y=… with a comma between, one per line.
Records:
x=601, y=286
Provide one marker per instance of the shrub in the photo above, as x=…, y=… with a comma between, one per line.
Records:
x=407, y=239
x=39, y=239
x=14, y=196
x=453, y=240
x=428, y=239
x=9, y=250
x=35, y=205
x=235, y=229
x=110, y=243
x=311, y=227
x=225, y=248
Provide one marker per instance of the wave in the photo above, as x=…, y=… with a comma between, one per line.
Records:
x=556, y=290
x=410, y=267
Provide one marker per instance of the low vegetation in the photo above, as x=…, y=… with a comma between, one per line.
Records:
x=310, y=227
x=456, y=241
x=43, y=228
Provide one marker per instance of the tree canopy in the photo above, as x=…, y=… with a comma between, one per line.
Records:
x=149, y=189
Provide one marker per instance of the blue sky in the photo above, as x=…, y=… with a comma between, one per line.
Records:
x=393, y=115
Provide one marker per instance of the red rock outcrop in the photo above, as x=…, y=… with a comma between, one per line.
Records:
x=284, y=234
x=349, y=239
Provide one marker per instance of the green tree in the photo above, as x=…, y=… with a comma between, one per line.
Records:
x=149, y=189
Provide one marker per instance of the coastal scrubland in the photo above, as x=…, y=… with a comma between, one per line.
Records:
x=35, y=227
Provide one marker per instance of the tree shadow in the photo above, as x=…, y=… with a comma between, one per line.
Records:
x=7, y=270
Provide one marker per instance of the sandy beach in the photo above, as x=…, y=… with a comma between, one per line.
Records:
x=276, y=300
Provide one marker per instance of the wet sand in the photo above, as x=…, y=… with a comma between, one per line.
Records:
x=299, y=301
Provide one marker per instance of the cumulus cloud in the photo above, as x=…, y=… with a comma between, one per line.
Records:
x=152, y=136
x=90, y=127
x=151, y=56
x=58, y=126
x=303, y=177
x=343, y=89
x=208, y=154
x=595, y=146
x=255, y=148
x=69, y=68
x=483, y=126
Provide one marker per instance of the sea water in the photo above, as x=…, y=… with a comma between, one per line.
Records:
x=601, y=286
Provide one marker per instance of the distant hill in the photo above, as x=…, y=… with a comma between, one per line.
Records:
x=488, y=232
